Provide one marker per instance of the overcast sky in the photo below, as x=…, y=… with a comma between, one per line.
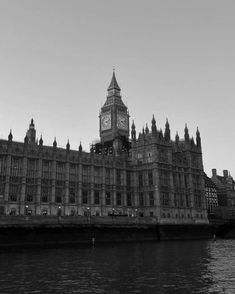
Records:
x=173, y=59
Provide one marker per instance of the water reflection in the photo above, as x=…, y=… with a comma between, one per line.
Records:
x=165, y=267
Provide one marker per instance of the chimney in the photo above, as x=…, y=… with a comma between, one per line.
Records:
x=225, y=172
x=214, y=172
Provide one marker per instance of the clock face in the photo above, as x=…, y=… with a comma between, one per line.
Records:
x=106, y=121
x=122, y=121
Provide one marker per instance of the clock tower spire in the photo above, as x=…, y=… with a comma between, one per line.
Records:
x=114, y=120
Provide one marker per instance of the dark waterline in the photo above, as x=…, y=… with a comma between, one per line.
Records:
x=163, y=267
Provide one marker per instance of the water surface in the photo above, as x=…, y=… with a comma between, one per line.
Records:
x=161, y=267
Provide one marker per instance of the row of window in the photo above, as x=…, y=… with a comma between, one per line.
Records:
x=168, y=215
x=180, y=200
x=17, y=172
x=44, y=212
x=85, y=179
x=45, y=196
x=144, y=178
x=47, y=168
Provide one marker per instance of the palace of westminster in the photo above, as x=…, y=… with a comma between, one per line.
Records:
x=124, y=174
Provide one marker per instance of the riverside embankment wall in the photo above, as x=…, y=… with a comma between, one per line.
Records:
x=31, y=230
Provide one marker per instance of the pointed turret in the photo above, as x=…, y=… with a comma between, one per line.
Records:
x=146, y=129
x=55, y=143
x=80, y=147
x=113, y=83
x=32, y=124
x=114, y=91
x=160, y=134
x=192, y=142
x=10, y=137
x=41, y=141
x=68, y=145
x=167, y=134
x=177, y=139
x=143, y=133
x=198, y=139
x=186, y=134
x=153, y=127
x=133, y=131
x=92, y=149
x=26, y=139
x=31, y=133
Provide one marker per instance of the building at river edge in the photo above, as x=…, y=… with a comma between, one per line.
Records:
x=124, y=173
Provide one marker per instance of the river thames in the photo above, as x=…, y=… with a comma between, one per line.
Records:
x=151, y=267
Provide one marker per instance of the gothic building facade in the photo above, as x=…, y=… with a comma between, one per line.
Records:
x=148, y=174
x=211, y=196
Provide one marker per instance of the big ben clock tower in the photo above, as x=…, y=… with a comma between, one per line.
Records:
x=114, y=120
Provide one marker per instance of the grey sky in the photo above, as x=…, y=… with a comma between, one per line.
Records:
x=175, y=59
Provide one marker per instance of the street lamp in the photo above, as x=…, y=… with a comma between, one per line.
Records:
x=113, y=214
x=136, y=215
x=88, y=214
x=26, y=209
x=59, y=211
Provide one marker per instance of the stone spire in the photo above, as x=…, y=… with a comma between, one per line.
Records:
x=153, y=127
x=114, y=84
x=143, y=133
x=80, y=147
x=55, y=143
x=31, y=133
x=26, y=139
x=133, y=131
x=31, y=125
x=177, y=139
x=146, y=129
x=186, y=134
x=160, y=135
x=10, y=137
x=192, y=142
x=114, y=92
x=41, y=141
x=198, y=138
x=167, y=134
x=68, y=145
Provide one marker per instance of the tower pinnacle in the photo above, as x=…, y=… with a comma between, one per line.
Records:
x=113, y=84
x=31, y=132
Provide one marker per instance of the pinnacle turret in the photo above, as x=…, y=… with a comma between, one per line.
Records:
x=41, y=141
x=55, y=143
x=114, y=89
x=26, y=139
x=192, y=142
x=31, y=133
x=167, y=134
x=186, y=134
x=146, y=129
x=133, y=131
x=113, y=83
x=10, y=137
x=68, y=145
x=177, y=138
x=31, y=125
x=198, y=139
x=153, y=127
x=80, y=147
x=160, y=134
